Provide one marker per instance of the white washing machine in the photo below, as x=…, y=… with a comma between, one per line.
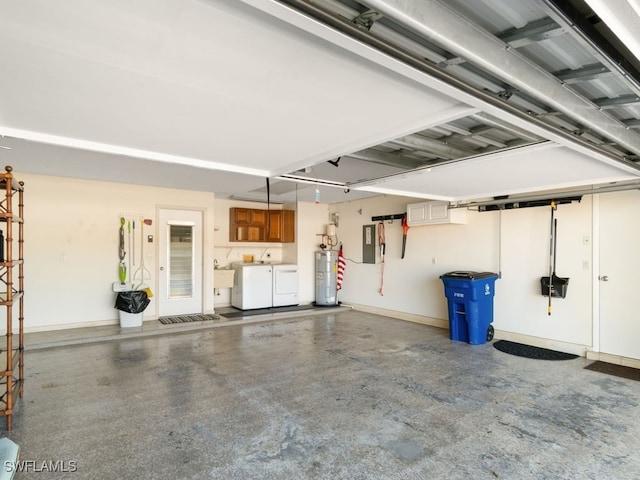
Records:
x=252, y=286
x=285, y=285
x=257, y=285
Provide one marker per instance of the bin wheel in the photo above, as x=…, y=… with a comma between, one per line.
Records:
x=490, y=333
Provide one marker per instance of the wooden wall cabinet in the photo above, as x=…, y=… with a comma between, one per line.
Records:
x=256, y=225
x=246, y=225
x=281, y=226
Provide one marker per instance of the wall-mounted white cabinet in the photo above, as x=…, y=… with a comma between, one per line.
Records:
x=434, y=213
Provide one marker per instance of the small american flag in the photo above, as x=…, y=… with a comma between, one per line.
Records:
x=341, y=264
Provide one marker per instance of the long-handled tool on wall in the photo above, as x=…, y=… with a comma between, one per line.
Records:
x=129, y=269
x=133, y=246
x=383, y=245
x=553, y=285
x=142, y=273
x=405, y=230
x=551, y=255
x=122, y=268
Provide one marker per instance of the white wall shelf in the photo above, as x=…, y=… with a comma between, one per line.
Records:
x=434, y=213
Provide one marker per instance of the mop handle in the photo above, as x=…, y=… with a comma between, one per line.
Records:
x=555, y=242
x=551, y=255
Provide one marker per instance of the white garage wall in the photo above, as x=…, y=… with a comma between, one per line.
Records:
x=413, y=289
x=71, y=246
x=411, y=285
x=311, y=220
x=72, y=256
x=520, y=307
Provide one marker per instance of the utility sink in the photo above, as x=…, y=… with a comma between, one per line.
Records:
x=223, y=277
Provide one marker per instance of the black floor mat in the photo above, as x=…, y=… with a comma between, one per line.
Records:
x=615, y=370
x=187, y=318
x=528, y=351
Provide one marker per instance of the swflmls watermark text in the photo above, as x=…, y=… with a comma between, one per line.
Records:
x=60, y=466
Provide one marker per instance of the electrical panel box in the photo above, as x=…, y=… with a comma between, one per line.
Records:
x=368, y=244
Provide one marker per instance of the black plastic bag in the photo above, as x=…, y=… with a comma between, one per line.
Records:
x=134, y=301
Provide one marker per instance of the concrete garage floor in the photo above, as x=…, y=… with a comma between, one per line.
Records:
x=341, y=395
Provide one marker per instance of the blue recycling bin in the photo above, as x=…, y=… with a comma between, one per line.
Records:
x=470, y=299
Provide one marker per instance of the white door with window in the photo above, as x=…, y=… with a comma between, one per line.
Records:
x=180, y=262
x=619, y=269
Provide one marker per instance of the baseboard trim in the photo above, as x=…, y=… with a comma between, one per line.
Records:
x=614, y=359
x=408, y=317
x=68, y=326
x=97, y=323
x=566, y=347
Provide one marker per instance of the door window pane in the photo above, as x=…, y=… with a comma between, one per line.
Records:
x=180, y=261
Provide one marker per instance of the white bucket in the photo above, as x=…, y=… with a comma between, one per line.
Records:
x=130, y=319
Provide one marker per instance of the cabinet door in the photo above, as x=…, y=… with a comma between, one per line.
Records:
x=258, y=218
x=275, y=226
x=255, y=234
x=241, y=216
x=438, y=212
x=417, y=213
x=288, y=226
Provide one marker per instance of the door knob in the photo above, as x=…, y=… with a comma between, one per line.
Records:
x=161, y=269
x=603, y=278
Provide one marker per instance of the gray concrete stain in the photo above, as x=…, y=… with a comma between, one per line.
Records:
x=406, y=449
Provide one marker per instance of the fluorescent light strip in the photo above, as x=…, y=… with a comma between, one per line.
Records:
x=126, y=151
x=403, y=193
x=310, y=181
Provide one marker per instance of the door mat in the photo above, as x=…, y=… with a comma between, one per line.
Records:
x=528, y=351
x=187, y=318
x=622, y=371
x=235, y=313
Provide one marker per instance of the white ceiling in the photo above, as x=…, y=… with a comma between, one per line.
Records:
x=512, y=172
x=217, y=95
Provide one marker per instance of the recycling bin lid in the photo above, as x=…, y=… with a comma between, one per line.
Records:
x=469, y=275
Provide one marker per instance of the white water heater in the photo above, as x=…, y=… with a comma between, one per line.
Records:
x=326, y=277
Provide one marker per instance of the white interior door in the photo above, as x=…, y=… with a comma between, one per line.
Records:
x=619, y=269
x=180, y=262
